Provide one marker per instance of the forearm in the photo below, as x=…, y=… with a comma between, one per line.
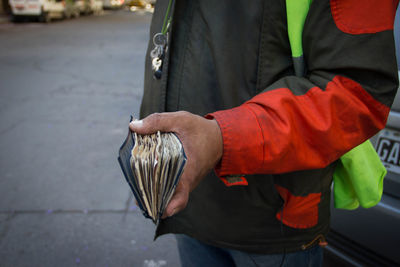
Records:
x=307, y=123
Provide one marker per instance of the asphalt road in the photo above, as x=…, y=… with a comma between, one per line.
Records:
x=66, y=92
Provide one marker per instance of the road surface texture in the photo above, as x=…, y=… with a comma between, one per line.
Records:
x=67, y=90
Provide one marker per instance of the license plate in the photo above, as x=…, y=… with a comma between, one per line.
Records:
x=388, y=148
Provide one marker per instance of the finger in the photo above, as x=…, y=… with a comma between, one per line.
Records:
x=163, y=122
x=178, y=201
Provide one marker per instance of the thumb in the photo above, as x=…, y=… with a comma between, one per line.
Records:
x=162, y=122
x=178, y=201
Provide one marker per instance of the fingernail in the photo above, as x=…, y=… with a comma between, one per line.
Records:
x=137, y=123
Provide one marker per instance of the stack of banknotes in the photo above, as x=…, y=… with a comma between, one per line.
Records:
x=152, y=165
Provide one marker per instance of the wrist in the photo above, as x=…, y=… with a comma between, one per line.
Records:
x=217, y=141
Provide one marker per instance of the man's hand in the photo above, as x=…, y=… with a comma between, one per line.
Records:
x=202, y=142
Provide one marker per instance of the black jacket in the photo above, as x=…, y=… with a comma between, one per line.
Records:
x=234, y=57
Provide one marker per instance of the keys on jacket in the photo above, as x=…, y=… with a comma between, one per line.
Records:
x=157, y=62
x=157, y=54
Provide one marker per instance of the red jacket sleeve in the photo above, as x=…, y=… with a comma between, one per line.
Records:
x=344, y=99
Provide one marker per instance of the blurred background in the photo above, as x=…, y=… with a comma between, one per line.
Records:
x=71, y=73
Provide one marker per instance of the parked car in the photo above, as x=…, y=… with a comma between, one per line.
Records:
x=71, y=9
x=113, y=4
x=44, y=10
x=84, y=7
x=134, y=5
x=96, y=6
x=371, y=237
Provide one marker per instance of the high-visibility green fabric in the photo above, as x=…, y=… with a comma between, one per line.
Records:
x=358, y=178
x=296, y=11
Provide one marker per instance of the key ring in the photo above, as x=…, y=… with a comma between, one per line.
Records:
x=160, y=42
x=159, y=39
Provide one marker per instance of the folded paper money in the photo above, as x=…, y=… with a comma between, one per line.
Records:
x=152, y=165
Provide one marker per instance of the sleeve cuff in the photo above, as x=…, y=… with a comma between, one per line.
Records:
x=243, y=150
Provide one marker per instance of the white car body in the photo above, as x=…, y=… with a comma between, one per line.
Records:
x=49, y=8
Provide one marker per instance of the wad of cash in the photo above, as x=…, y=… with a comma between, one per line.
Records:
x=152, y=165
